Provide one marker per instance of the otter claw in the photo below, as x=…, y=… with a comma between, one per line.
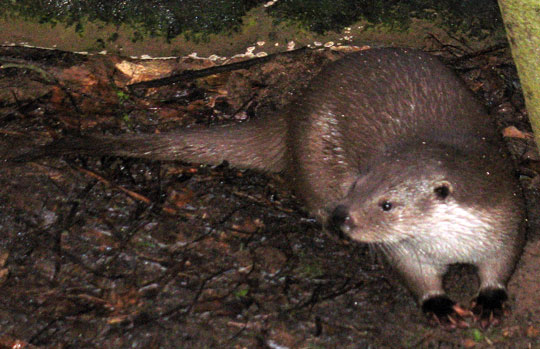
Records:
x=489, y=307
x=445, y=313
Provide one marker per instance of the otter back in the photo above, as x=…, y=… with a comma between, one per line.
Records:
x=374, y=102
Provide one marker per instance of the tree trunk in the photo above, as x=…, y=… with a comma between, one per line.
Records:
x=522, y=22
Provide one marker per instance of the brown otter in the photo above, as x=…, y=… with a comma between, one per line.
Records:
x=389, y=145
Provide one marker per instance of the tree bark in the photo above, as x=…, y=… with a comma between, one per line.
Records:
x=522, y=22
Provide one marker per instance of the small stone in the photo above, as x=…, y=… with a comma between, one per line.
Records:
x=291, y=45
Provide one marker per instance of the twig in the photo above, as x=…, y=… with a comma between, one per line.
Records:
x=187, y=75
x=48, y=77
x=130, y=193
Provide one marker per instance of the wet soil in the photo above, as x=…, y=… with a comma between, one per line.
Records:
x=113, y=252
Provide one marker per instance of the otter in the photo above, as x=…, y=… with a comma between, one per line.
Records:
x=391, y=147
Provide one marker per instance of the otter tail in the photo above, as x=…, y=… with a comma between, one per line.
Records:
x=258, y=144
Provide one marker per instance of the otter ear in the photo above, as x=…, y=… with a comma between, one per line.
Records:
x=442, y=190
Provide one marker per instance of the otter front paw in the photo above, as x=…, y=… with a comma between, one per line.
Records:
x=489, y=307
x=444, y=312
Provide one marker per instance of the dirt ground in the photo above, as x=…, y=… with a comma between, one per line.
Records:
x=100, y=252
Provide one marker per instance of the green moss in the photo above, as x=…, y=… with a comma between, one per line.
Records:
x=321, y=16
x=145, y=245
x=198, y=19
x=242, y=293
x=157, y=17
x=310, y=269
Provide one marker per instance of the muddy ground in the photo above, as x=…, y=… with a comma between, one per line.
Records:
x=100, y=252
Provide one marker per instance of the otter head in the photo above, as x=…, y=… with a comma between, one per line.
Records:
x=439, y=196
x=379, y=208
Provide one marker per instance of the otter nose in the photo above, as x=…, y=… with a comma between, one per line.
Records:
x=342, y=220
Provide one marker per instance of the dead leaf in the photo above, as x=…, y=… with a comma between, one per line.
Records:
x=181, y=198
x=3, y=258
x=533, y=332
x=4, y=273
x=513, y=132
x=469, y=343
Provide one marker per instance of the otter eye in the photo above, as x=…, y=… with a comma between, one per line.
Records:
x=442, y=191
x=386, y=205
